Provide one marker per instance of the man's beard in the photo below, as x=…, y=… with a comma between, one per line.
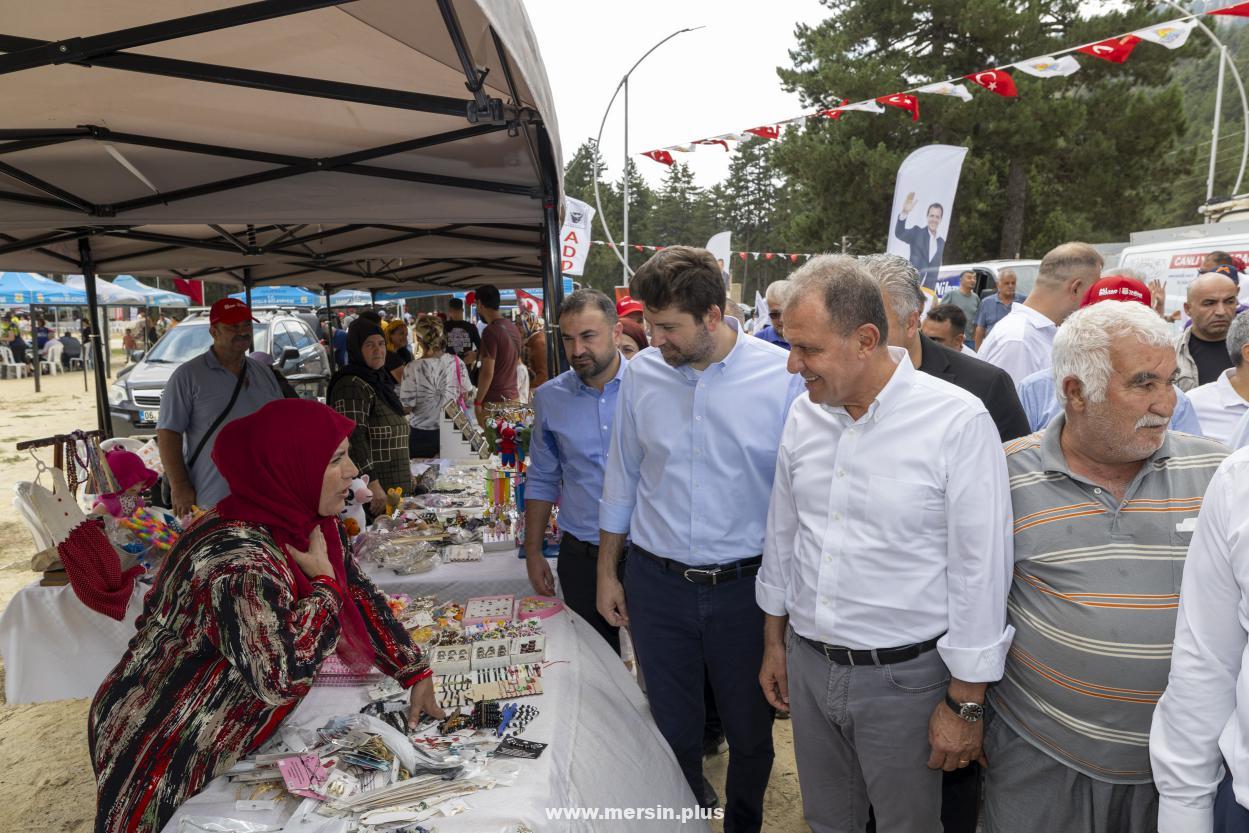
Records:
x=700, y=351
x=595, y=367
x=1125, y=450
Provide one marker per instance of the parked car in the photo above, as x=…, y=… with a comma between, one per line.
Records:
x=986, y=275
x=134, y=399
x=1174, y=256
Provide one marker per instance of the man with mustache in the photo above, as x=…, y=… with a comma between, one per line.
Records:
x=1201, y=350
x=695, y=518
x=573, y=416
x=1105, y=502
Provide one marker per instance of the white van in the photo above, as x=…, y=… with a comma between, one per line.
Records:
x=1173, y=256
x=986, y=275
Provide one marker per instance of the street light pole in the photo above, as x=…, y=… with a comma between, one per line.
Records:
x=623, y=85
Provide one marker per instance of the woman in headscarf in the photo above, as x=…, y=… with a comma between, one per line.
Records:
x=245, y=607
x=431, y=381
x=632, y=338
x=398, y=353
x=364, y=392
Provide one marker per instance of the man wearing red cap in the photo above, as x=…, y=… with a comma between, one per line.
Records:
x=626, y=307
x=201, y=397
x=1037, y=391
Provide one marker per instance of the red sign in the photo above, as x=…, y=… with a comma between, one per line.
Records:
x=1192, y=260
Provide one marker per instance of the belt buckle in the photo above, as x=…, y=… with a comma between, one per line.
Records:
x=713, y=573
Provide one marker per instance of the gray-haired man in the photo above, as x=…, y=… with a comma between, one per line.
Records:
x=1105, y=503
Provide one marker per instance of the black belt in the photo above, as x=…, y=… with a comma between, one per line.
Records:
x=876, y=656
x=718, y=574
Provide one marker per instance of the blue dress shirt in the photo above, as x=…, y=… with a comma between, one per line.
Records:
x=1038, y=394
x=568, y=449
x=693, y=454
x=768, y=334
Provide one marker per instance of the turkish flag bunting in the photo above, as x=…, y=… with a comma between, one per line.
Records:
x=1115, y=50
x=1239, y=10
x=769, y=255
x=767, y=132
x=834, y=113
x=639, y=248
x=793, y=258
x=660, y=156
x=720, y=142
x=905, y=101
x=995, y=81
x=742, y=255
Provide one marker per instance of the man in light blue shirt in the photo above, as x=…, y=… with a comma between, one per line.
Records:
x=1040, y=403
x=573, y=416
x=696, y=518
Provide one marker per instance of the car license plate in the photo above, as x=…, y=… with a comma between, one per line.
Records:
x=148, y=416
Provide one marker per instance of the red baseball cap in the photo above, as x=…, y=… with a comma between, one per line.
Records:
x=229, y=311
x=1117, y=288
x=626, y=305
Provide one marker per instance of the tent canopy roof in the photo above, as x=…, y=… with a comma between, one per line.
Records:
x=313, y=142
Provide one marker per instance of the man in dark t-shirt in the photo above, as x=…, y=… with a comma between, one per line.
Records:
x=500, y=352
x=463, y=340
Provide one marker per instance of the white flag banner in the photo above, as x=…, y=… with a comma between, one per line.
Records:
x=688, y=148
x=761, y=311
x=574, y=236
x=923, y=203
x=946, y=88
x=1172, y=34
x=1049, y=67
x=868, y=106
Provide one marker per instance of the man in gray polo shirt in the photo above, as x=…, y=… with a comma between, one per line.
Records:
x=196, y=395
x=1105, y=503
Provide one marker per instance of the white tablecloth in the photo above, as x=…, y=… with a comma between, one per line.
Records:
x=56, y=648
x=496, y=573
x=605, y=750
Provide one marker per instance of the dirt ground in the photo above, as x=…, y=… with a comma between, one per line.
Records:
x=45, y=774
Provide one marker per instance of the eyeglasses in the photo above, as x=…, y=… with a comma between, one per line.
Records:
x=774, y=315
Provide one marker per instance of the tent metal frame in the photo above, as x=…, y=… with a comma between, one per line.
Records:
x=484, y=115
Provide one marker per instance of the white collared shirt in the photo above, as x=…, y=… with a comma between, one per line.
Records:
x=1219, y=407
x=932, y=247
x=1240, y=437
x=870, y=544
x=1202, y=719
x=967, y=351
x=1021, y=343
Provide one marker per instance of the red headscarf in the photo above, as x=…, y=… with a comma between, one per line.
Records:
x=275, y=462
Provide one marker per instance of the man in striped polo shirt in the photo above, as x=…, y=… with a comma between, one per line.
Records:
x=1105, y=502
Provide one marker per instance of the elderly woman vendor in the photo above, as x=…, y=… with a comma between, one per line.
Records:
x=252, y=599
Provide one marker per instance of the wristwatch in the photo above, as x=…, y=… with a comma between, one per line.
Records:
x=971, y=712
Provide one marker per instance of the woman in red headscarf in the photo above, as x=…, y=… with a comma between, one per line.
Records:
x=254, y=596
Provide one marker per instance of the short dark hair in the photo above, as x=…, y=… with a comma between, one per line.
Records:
x=683, y=276
x=488, y=296
x=1222, y=258
x=851, y=296
x=937, y=205
x=455, y=303
x=584, y=299
x=949, y=314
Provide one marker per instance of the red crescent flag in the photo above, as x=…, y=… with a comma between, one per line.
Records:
x=793, y=258
x=767, y=132
x=660, y=156
x=905, y=101
x=995, y=81
x=529, y=302
x=1239, y=10
x=742, y=255
x=1115, y=50
x=720, y=142
x=834, y=113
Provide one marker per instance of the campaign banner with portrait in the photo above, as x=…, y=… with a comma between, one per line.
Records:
x=923, y=203
x=574, y=236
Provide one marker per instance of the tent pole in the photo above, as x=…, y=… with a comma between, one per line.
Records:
x=329, y=330
x=247, y=294
x=97, y=343
x=34, y=347
x=553, y=291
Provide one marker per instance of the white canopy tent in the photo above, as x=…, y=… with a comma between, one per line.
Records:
x=366, y=144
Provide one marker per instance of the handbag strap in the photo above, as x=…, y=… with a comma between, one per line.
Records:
x=238, y=386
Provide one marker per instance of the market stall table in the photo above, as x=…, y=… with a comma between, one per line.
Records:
x=605, y=751
x=497, y=572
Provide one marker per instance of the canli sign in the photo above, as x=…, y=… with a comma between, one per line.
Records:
x=1192, y=260
x=574, y=236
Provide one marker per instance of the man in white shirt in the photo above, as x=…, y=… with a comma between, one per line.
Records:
x=1020, y=343
x=1223, y=403
x=1199, y=744
x=884, y=571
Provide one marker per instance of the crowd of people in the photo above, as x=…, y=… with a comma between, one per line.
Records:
x=968, y=574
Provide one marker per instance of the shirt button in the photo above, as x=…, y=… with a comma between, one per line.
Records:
x=836, y=516
x=828, y=559
x=1097, y=491
x=605, y=428
x=698, y=419
x=841, y=472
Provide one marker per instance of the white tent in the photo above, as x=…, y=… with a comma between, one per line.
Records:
x=108, y=294
x=366, y=144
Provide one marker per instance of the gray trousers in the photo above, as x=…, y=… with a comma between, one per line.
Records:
x=1027, y=791
x=861, y=738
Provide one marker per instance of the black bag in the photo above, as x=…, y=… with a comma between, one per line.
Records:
x=162, y=493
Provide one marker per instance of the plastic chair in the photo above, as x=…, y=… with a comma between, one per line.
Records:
x=53, y=361
x=9, y=366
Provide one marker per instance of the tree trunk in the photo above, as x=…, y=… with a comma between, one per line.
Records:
x=1016, y=205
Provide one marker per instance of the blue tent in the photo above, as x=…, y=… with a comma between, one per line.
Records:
x=352, y=298
x=154, y=297
x=22, y=289
x=507, y=296
x=282, y=296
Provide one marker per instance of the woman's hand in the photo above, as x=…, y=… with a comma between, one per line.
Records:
x=378, y=504
x=423, y=702
x=316, y=561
